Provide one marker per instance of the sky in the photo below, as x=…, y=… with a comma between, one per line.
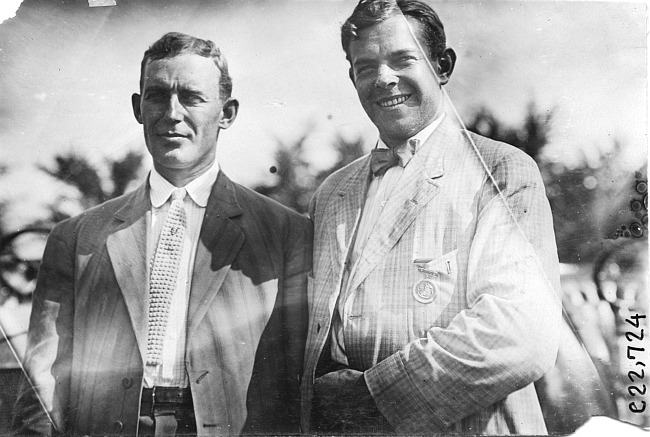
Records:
x=67, y=72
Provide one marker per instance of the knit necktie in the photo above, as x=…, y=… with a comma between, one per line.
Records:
x=164, y=274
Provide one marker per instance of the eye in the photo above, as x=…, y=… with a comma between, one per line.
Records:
x=155, y=96
x=406, y=60
x=362, y=69
x=191, y=98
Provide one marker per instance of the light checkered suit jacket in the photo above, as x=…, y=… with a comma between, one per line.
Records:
x=466, y=361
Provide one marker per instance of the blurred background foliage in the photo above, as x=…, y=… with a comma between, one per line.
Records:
x=74, y=169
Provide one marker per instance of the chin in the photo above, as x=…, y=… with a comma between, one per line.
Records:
x=398, y=133
x=172, y=159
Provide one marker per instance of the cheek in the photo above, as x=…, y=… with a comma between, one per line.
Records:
x=207, y=127
x=428, y=87
x=149, y=119
x=366, y=102
x=364, y=88
x=148, y=124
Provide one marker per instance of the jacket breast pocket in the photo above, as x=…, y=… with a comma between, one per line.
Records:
x=433, y=300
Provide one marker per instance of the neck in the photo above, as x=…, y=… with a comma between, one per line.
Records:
x=393, y=143
x=182, y=177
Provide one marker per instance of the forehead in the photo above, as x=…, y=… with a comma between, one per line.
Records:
x=389, y=36
x=187, y=70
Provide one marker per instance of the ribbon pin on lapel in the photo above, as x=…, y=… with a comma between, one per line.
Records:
x=426, y=290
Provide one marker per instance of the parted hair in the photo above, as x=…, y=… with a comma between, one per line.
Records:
x=175, y=43
x=371, y=12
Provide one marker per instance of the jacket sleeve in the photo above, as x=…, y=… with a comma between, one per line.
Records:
x=46, y=385
x=507, y=336
x=297, y=265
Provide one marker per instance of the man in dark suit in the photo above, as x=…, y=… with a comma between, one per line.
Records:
x=179, y=308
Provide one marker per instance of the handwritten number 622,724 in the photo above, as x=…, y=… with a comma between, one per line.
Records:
x=633, y=390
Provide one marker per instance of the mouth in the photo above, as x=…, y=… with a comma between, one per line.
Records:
x=393, y=101
x=172, y=135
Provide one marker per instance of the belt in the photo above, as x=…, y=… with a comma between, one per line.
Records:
x=165, y=395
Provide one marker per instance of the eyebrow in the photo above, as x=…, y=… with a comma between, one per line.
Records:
x=154, y=86
x=157, y=86
x=361, y=62
x=403, y=52
x=396, y=54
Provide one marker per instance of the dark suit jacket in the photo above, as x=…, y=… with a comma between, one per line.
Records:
x=246, y=317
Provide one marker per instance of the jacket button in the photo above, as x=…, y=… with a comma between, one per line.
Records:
x=127, y=382
x=118, y=426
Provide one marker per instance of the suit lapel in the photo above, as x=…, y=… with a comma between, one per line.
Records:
x=416, y=188
x=344, y=213
x=127, y=249
x=219, y=242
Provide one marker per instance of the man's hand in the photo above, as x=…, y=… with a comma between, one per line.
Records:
x=343, y=404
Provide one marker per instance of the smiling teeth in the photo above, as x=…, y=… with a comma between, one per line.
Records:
x=393, y=102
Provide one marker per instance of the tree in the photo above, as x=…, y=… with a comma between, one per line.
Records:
x=578, y=196
x=572, y=194
x=590, y=202
x=76, y=170
x=297, y=181
x=3, y=206
x=531, y=136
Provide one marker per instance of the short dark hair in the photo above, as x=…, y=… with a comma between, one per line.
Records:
x=174, y=43
x=371, y=12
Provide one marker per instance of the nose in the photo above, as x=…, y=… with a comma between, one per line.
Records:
x=386, y=78
x=174, y=108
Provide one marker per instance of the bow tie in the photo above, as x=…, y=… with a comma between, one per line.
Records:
x=383, y=159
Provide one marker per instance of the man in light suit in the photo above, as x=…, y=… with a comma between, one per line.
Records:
x=231, y=354
x=434, y=296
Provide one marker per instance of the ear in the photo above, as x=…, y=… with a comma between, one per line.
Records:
x=135, y=103
x=446, y=64
x=229, y=113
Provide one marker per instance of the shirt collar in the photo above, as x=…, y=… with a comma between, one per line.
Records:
x=199, y=189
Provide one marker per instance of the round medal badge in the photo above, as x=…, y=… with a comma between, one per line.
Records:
x=425, y=291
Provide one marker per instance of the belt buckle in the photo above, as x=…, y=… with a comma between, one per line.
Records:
x=152, y=401
x=153, y=397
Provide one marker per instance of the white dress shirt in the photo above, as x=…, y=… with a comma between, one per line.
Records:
x=171, y=372
x=379, y=192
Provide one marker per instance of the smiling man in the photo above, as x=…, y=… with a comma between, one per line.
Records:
x=434, y=298
x=179, y=308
